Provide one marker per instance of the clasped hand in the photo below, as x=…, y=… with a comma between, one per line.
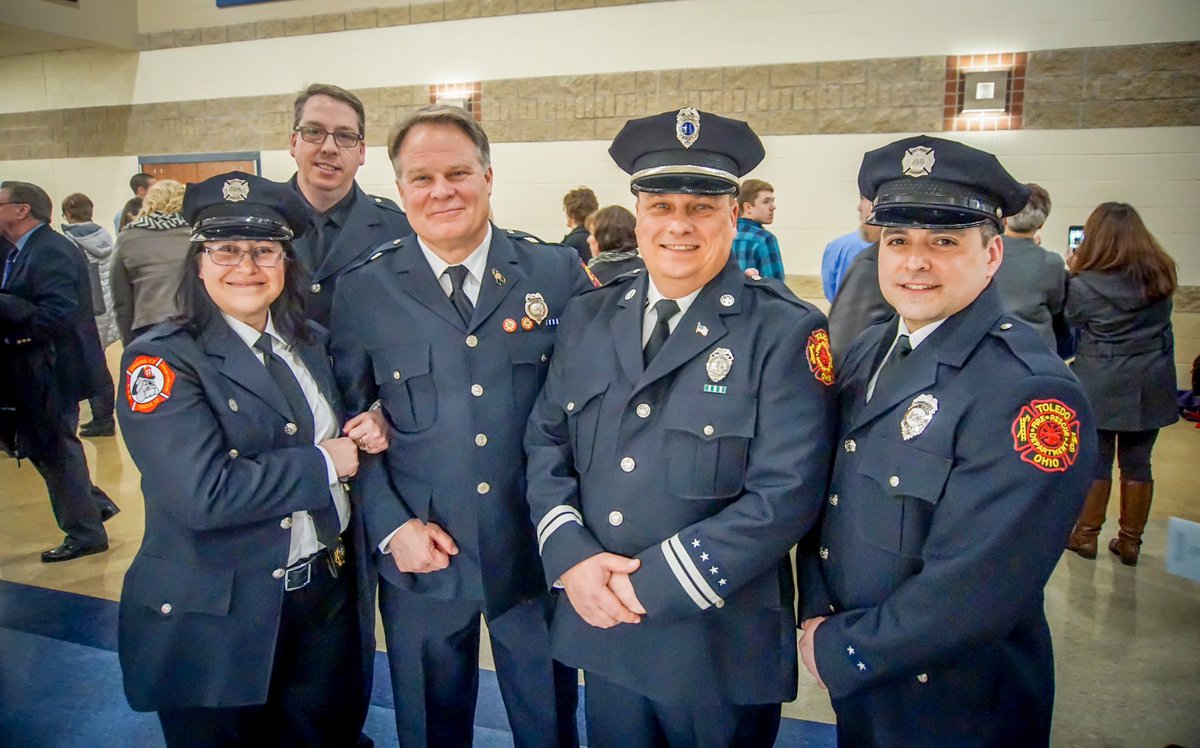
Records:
x=421, y=547
x=601, y=592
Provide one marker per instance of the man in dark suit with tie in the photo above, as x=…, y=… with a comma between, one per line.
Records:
x=52, y=359
x=678, y=451
x=451, y=329
x=964, y=452
x=328, y=145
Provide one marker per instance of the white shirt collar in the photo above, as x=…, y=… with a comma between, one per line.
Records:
x=653, y=296
x=475, y=263
x=916, y=338
x=250, y=336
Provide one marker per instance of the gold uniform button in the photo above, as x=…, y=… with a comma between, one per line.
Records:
x=286, y=523
x=483, y=488
x=477, y=390
x=480, y=440
x=824, y=553
x=833, y=499
x=643, y=410
x=570, y=407
x=290, y=429
x=395, y=375
x=166, y=609
x=233, y=405
x=233, y=453
x=850, y=445
x=472, y=341
x=315, y=288
x=278, y=573
x=922, y=678
x=709, y=430
x=627, y=464
x=615, y=519
x=894, y=481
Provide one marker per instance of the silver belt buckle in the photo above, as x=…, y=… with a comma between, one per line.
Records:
x=298, y=577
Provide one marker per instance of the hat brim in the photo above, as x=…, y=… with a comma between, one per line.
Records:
x=687, y=180
x=931, y=203
x=235, y=228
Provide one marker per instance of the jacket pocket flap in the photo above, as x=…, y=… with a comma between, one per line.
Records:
x=901, y=470
x=709, y=417
x=186, y=588
x=401, y=362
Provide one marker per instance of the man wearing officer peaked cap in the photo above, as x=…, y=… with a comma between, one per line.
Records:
x=677, y=452
x=245, y=618
x=963, y=455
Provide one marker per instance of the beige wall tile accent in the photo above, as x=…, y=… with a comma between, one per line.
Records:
x=361, y=19
x=298, y=26
x=329, y=22
x=489, y=8
x=456, y=9
x=1148, y=86
x=400, y=16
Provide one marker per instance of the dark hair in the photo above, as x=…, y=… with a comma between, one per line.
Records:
x=33, y=196
x=580, y=203
x=196, y=307
x=141, y=181
x=751, y=189
x=1035, y=212
x=133, y=206
x=440, y=114
x=77, y=207
x=613, y=228
x=337, y=93
x=1115, y=238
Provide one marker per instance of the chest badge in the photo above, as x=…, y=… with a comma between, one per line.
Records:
x=720, y=361
x=917, y=417
x=148, y=383
x=535, y=307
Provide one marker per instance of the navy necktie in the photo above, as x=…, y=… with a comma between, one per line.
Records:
x=665, y=309
x=458, y=297
x=899, y=352
x=9, y=262
x=326, y=520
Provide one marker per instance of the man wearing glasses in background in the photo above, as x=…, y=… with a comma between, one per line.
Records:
x=328, y=133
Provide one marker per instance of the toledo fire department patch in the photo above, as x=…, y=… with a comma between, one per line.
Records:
x=148, y=383
x=820, y=358
x=1046, y=435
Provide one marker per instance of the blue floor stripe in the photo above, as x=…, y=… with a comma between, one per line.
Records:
x=60, y=683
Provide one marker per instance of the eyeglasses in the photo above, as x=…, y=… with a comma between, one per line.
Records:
x=263, y=257
x=317, y=135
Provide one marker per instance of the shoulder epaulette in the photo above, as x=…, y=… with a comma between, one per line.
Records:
x=523, y=236
x=779, y=289
x=384, y=202
x=383, y=249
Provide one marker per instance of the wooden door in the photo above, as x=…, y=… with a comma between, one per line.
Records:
x=186, y=172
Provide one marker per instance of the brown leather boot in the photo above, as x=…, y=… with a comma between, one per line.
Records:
x=1135, y=510
x=1083, y=537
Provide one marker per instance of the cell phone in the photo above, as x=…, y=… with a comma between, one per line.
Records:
x=1074, y=238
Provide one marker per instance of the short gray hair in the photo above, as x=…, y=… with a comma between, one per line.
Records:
x=439, y=114
x=1035, y=212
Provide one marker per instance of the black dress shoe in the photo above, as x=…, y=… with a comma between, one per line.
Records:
x=108, y=511
x=71, y=549
x=107, y=427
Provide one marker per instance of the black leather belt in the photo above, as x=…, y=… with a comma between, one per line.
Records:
x=300, y=574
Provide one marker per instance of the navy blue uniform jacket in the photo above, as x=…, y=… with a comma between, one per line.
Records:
x=371, y=222
x=221, y=476
x=457, y=397
x=935, y=544
x=708, y=479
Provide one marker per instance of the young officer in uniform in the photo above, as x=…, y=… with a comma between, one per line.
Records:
x=452, y=329
x=679, y=449
x=346, y=224
x=965, y=448
x=239, y=621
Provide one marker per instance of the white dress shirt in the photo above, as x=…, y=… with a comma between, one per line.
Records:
x=475, y=263
x=325, y=426
x=650, y=318
x=914, y=340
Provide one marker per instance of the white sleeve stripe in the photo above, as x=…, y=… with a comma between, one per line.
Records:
x=562, y=520
x=554, y=514
x=693, y=572
x=682, y=577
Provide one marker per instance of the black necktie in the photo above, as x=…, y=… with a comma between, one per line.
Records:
x=665, y=309
x=458, y=297
x=9, y=263
x=899, y=351
x=326, y=520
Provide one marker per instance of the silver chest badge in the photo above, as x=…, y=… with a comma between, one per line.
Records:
x=235, y=190
x=719, y=363
x=917, y=417
x=535, y=307
x=917, y=161
x=687, y=126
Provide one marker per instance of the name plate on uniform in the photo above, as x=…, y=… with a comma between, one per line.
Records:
x=1183, y=548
